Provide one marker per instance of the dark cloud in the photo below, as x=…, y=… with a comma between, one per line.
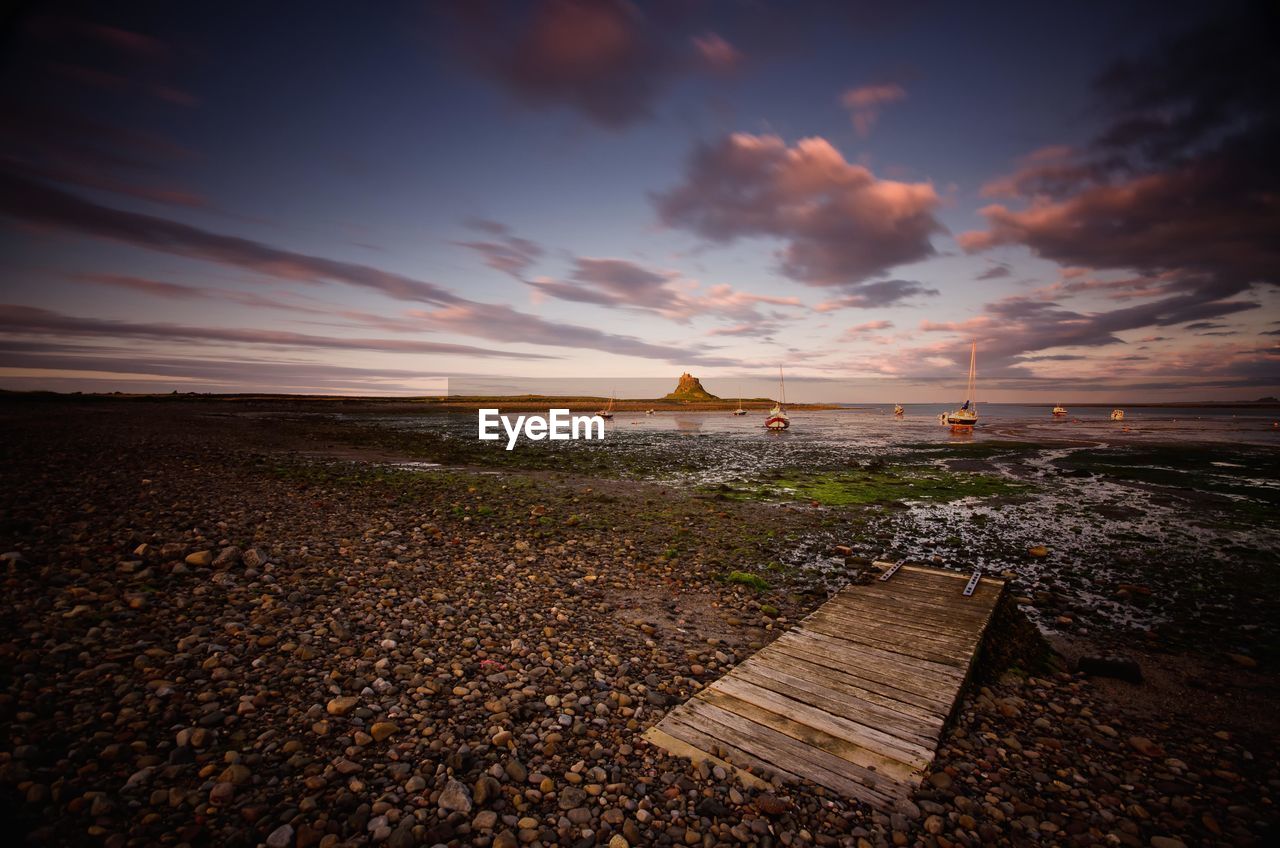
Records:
x=29, y=320
x=607, y=59
x=842, y=225
x=1182, y=183
x=34, y=203
x=877, y=295
x=104, y=369
x=995, y=272
x=624, y=284
x=505, y=252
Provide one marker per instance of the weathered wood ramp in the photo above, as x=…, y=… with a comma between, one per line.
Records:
x=854, y=698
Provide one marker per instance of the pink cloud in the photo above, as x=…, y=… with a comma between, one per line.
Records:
x=717, y=53
x=842, y=224
x=865, y=102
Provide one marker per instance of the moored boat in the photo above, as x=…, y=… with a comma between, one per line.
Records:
x=778, y=419
x=648, y=412
x=1059, y=410
x=607, y=412
x=1117, y=415
x=966, y=416
x=898, y=410
x=739, y=410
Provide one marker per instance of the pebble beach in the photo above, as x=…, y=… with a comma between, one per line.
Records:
x=271, y=629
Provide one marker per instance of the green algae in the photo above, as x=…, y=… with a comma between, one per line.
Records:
x=874, y=486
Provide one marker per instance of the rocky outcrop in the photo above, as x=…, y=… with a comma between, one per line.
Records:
x=690, y=389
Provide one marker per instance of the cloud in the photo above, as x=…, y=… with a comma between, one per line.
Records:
x=876, y=295
x=995, y=272
x=864, y=103
x=841, y=224
x=859, y=330
x=1179, y=186
x=625, y=284
x=603, y=58
x=29, y=320
x=717, y=53
x=34, y=203
x=508, y=253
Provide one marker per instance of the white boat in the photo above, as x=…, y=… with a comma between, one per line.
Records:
x=778, y=419
x=966, y=416
x=739, y=410
x=607, y=412
x=648, y=412
x=898, y=410
x=1117, y=415
x=1059, y=410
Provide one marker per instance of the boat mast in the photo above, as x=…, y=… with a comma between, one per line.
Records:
x=782, y=387
x=973, y=375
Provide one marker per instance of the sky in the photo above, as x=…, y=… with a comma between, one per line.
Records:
x=392, y=198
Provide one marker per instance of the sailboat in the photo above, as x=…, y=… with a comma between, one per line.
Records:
x=649, y=412
x=1059, y=409
x=967, y=415
x=739, y=410
x=607, y=412
x=898, y=410
x=778, y=419
x=1117, y=415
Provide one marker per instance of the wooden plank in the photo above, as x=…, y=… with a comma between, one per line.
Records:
x=920, y=646
x=945, y=593
x=909, y=680
x=841, y=654
x=939, y=573
x=856, y=698
x=793, y=755
x=923, y=731
x=915, y=748
x=814, y=665
x=857, y=752
x=877, y=620
x=839, y=645
x=925, y=609
x=692, y=745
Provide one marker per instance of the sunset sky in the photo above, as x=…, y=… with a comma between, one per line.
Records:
x=311, y=197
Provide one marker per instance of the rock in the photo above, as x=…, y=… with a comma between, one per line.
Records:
x=1243, y=661
x=1167, y=842
x=253, y=558
x=1120, y=668
x=227, y=557
x=771, y=805
x=1038, y=551
x=1146, y=747
x=199, y=559
x=618, y=841
x=940, y=780
x=281, y=837
x=455, y=797
x=506, y=839
x=485, y=820
x=381, y=730
x=342, y=705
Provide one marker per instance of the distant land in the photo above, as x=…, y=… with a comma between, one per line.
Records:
x=589, y=403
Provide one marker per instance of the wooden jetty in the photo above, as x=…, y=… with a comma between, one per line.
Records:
x=855, y=697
